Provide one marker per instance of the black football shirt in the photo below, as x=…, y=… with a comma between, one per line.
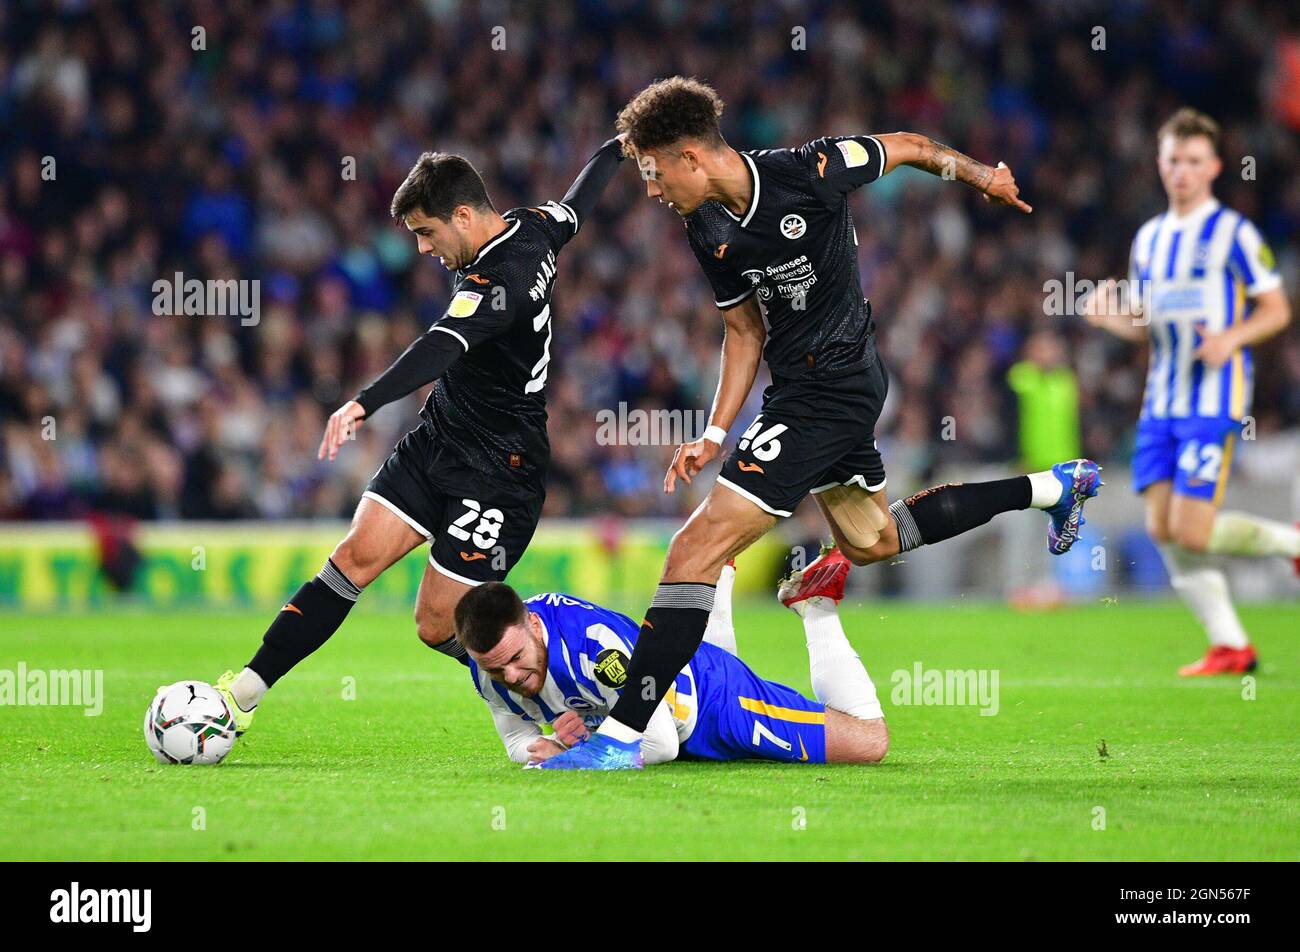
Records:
x=490, y=352
x=488, y=406
x=796, y=249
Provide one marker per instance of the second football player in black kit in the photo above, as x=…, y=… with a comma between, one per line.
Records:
x=470, y=479
x=793, y=252
x=773, y=232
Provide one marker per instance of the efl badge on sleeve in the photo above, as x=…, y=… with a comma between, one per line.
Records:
x=464, y=303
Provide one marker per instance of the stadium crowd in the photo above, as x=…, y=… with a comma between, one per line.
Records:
x=263, y=139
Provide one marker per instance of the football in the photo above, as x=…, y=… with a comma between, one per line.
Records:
x=189, y=722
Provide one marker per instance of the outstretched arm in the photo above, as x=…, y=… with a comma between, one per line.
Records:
x=922, y=152
x=591, y=181
x=423, y=362
x=517, y=734
x=1115, y=312
x=659, y=745
x=480, y=309
x=742, y=352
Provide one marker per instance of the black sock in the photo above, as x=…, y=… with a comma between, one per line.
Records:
x=305, y=623
x=452, y=648
x=670, y=636
x=942, y=512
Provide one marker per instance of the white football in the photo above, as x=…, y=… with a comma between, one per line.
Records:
x=189, y=722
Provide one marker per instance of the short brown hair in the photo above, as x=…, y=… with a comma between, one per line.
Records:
x=485, y=612
x=670, y=110
x=1187, y=123
x=437, y=185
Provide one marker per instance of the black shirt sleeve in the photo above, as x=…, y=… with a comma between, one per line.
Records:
x=480, y=308
x=839, y=164
x=562, y=219
x=591, y=181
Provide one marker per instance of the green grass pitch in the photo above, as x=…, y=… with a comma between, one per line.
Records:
x=412, y=769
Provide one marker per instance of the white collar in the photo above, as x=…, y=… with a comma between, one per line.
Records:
x=546, y=643
x=753, y=198
x=494, y=242
x=1206, y=207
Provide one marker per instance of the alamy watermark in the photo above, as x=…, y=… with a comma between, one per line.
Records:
x=946, y=687
x=637, y=427
x=77, y=905
x=229, y=297
x=55, y=688
x=1071, y=297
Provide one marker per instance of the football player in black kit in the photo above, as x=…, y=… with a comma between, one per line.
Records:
x=773, y=232
x=470, y=479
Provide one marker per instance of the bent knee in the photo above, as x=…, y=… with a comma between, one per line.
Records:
x=875, y=743
x=1157, y=522
x=1191, y=538
x=865, y=555
x=362, y=564
x=689, y=558
x=871, y=743
x=434, y=625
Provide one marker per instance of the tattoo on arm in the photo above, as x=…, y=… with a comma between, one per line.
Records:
x=946, y=162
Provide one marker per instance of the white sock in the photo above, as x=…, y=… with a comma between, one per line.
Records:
x=839, y=679
x=721, y=630
x=1045, y=490
x=1238, y=533
x=248, y=689
x=1204, y=588
x=618, y=731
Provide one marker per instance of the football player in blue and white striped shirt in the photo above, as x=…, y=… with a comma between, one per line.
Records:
x=561, y=660
x=1202, y=291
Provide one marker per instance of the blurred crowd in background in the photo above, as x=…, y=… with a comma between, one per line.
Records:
x=136, y=146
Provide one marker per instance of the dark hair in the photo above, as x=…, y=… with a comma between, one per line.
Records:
x=669, y=110
x=437, y=185
x=1187, y=123
x=485, y=612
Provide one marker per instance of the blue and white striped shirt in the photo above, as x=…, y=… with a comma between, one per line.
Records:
x=587, y=649
x=1196, y=273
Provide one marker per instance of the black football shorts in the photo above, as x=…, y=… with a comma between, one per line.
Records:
x=810, y=436
x=478, y=528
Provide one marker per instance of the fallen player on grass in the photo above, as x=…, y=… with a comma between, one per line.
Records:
x=560, y=660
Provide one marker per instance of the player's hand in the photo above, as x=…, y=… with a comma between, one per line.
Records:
x=543, y=749
x=689, y=459
x=1217, y=348
x=1004, y=191
x=1096, y=309
x=569, y=728
x=342, y=426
